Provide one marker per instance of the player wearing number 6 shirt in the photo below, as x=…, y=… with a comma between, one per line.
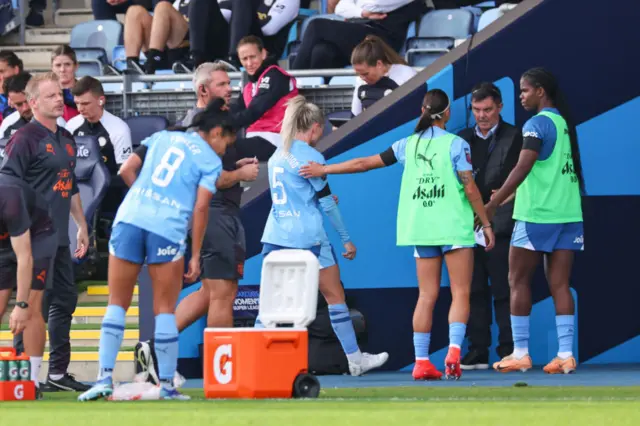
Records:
x=295, y=221
x=177, y=178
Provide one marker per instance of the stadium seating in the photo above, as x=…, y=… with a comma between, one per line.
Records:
x=97, y=34
x=91, y=54
x=143, y=126
x=93, y=179
x=488, y=17
x=436, y=35
x=91, y=67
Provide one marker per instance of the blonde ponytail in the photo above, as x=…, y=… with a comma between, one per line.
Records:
x=299, y=116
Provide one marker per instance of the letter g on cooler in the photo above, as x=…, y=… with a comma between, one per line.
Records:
x=222, y=365
x=18, y=391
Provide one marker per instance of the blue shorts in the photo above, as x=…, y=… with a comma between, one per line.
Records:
x=547, y=237
x=128, y=242
x=424, y=252
x=325, y=254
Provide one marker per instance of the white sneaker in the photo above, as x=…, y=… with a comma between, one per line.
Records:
x=178, y=380
x=367, y=362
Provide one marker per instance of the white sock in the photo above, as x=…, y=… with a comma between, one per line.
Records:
x=355, y=357
x=520, y=353
x=56, y=376
x=36, y=363
x=565, y=355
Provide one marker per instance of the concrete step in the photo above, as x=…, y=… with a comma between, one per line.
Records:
x=87, y=370
x=71, y=17
x=34, y=57
x=94, y=315
x=54, y=36
x=89, y=298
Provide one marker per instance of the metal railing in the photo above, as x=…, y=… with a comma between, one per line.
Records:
x=174, y=103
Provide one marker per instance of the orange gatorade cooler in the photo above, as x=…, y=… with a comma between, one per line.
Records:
x=269, y=362
x=15, y=378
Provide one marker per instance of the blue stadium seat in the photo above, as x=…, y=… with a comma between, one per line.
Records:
x=309, y=81
x=343, y=80
x=436, y=34
x=93, y=179
x=89, y=67
x=338, y=118
x=488, y=17
x=143, y=126
x=171, y=85
x=91, y=54
x=104, y=34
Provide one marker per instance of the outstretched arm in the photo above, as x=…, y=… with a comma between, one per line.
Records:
x=516, y=177
x=357, y=165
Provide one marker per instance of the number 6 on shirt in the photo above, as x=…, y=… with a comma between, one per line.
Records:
x=275, y=184
x=169, y=167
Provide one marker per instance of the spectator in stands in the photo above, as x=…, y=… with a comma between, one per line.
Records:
x=107, y=9
x=164, y=37
x=113, y=134
x=218, y=20
x=14, y=87
x=329, y=43
x=10, y=65
x=264, y=99
x=380, y=70
x=65, y=64
x=495, y=147
x=44, y=155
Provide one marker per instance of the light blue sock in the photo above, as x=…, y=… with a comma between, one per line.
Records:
x=166, y=346
x=520, y=333
x=565, y=328
x=343, y=327
x=111, y=334
x=457, y=331
x=421, y=345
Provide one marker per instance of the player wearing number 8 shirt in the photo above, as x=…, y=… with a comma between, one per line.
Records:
x=177, y=179
x=295, y=221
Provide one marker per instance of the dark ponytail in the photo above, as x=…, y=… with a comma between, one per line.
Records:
x=540, y=77
x=214, y=115
x=434, y=104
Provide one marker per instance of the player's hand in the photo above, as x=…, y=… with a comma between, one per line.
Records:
x=312, y=170
x=18, y=320
x=249, y=172
x=335, y=198
x=193, y=272
x=83, y=243
x=350, y=252
x=373, y=15
x=245, y=161
x=489, y=238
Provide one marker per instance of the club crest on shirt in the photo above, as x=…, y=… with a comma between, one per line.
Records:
x=70, y=150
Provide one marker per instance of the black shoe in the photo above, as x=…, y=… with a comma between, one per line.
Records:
x=34, y=19
x=46, y=387
x=68, y=383
x=475, y=360
x=146, y=362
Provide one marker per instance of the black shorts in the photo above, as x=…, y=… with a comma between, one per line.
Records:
x=9, y=273
x=223, y=249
